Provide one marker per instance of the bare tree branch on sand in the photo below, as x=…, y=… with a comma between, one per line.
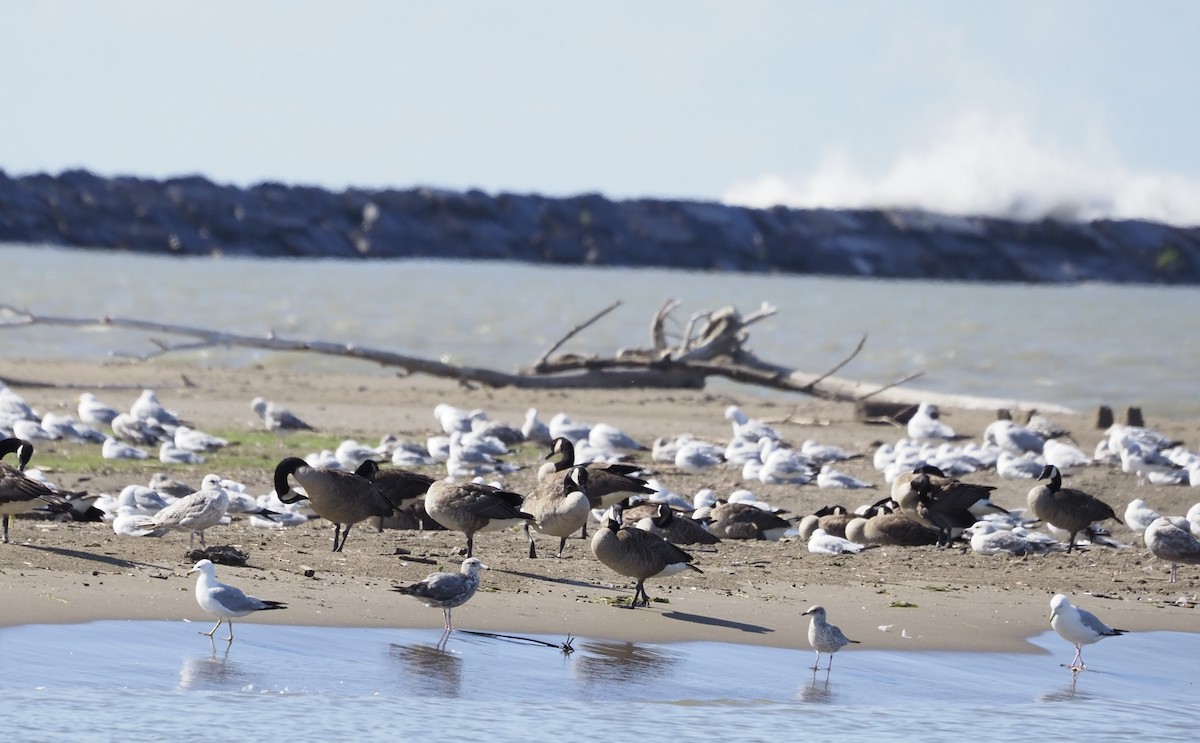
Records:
x=710, y=344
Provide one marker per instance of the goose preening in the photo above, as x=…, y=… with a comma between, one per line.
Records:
x=472, y=507
x=637, y=554
x=1171, y=539
x=20, y=493
x=447, y=590
x=608, y=483
x=824, y=637
x=224, y=601
x=196, y=512
x=398, y=486
x=945, y=504
x=559, y=507
x=1078, y=627
x=1065, y=508
x=277, y=419
x=344, y=498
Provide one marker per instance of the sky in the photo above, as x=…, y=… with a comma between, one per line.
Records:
x=1071, y=108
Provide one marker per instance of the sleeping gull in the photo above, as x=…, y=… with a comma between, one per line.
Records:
x=224, y=601
x=1078, y=627
x=824, y=637
x=822, y=543
x=147, y=406
x=926, y=424
x=95, y=412
x=447, y=590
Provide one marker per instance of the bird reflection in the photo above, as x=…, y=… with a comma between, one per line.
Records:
x=432, y=670
x=1068, y=694
x=603, y=663
x=817, y=690
x=211, y=671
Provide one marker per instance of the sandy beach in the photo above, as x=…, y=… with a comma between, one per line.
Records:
x=749, y=592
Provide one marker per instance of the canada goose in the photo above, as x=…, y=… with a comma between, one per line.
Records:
x=746, y=521
x=559, y=507
x=637, y=554
x=447, y=590
x=401, y=488
x=943, y=503
x=1078, y=627
x=277, y=419
x=341, y=497
x=608, y=483
x=18, y=492
x=674, y=528
x=890, y=529
x=1065, y=508
x=196, y=512
x=824, y=637
x=1171, y=539
x=471, y=507
x=224, y=601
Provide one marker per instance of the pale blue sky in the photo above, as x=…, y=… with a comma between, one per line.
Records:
x=1078, y=106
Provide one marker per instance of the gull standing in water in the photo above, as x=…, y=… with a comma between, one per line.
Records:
x=447, y=590
x=1078, y=627
x=224, y=601
x=824, y=637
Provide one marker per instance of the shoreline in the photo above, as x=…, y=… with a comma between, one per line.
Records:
x=750, y=592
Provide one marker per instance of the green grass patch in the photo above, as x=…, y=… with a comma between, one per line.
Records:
x=902, y=605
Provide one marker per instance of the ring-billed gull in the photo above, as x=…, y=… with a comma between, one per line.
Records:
x=926, y=425
x=224, y=601
x=18, y=492
x=559, y=507
x=824, y=637
x=637, y=554
x=1065, y=508
x=1171, y=539
x=95, y=412
x=1078, y=627
x=1139, y=516
x=472, y=507
x=277, y=419
x=147, y=406
x=343, y=498
x=447, y=590
x=821, y=543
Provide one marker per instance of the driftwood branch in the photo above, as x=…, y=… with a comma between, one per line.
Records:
x=712, y=346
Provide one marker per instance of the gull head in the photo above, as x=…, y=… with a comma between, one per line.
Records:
x=817, y=611
x=204, y=566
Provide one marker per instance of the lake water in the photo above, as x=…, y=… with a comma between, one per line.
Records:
x=1078, y=345
x=162, y=681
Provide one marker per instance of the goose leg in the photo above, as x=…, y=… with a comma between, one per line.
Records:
x=470, y=544
x=5, y=538
x=532, y=546
x=337, y=533
x=562, y=545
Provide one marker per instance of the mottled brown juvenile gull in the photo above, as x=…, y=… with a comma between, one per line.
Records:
x=224, y=601
x=447, y=590
x=1170, y=538
x=195, y=513
x=1078, y=627
x=824, y=637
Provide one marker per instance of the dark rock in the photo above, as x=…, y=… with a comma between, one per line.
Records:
x=191, y=215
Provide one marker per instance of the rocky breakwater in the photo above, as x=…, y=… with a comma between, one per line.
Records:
x=194, y=216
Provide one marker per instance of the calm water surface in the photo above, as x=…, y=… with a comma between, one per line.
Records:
x=1077, y=346
x=161, y=680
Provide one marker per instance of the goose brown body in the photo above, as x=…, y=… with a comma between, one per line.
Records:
x=343, y=498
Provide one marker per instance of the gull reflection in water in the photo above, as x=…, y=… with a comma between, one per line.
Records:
x=431, y=670
x=1068, y=694
x=213, y=670
x=817, y=690
x=606, y=663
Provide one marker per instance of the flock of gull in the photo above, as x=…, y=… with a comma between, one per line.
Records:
x=597, y=476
